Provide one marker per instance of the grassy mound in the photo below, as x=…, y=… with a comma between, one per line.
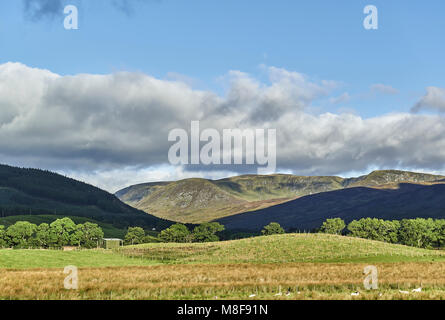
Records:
x=288, y=248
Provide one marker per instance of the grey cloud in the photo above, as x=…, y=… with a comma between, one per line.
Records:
x=128, y=6
x=288, y=92
x=434, y=99
x=36, y=10
x=105, y=123
x=123, y=5
x=329, y=143
x=41, y=9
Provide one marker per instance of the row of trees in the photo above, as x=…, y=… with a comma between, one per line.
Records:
x=206, y=232
x=422, y=233
x=64, y=232
x=61, y=232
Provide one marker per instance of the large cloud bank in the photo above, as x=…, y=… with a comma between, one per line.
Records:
x=103, y=123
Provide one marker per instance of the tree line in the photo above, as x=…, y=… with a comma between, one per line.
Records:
x=206, y=232
x=64, y=232
x=422, y=233
x=60, y=233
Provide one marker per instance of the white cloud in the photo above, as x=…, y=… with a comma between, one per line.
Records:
x=434, y=99
x=112, y=130
x=119, y=178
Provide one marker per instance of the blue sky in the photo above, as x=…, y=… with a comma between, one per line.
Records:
x=205, y=39
x=351, y=113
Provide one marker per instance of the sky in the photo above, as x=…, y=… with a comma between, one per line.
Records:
x=97, y=103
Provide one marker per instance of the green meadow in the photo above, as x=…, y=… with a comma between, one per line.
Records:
x=287, y=248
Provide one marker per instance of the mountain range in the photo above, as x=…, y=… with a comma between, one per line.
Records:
x=250, y=201
x=241, y=203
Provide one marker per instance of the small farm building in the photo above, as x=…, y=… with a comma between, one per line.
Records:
x=111, y=243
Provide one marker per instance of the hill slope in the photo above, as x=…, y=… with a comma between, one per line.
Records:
x=309, y=212
x=38, y=192
x=188, y=200
x=201, y=200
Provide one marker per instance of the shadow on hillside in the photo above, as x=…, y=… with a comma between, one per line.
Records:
x=309, y=212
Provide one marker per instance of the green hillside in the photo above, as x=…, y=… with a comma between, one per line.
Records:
x=201, y=200
x=29, y=192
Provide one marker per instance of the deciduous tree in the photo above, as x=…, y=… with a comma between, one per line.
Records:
x=135, y=235
x=62, y=232
x=272, y=228
x=206, y=232
x=20, y=233
x=176, y=233
x=333, y=226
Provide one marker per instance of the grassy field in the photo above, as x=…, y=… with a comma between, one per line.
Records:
x=293, y=266
x=31, y=259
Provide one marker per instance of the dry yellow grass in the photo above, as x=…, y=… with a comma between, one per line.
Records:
x=228, y=281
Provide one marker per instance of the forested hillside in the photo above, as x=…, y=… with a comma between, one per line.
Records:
x=39, y=192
